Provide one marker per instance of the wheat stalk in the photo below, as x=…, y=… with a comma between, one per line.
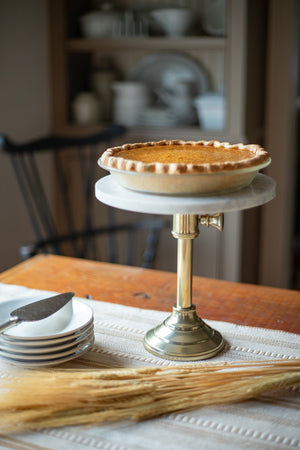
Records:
x=55, y=398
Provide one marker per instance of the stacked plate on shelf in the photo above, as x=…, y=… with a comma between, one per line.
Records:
x=65, y=335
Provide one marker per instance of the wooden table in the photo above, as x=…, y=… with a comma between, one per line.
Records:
x=152, y=289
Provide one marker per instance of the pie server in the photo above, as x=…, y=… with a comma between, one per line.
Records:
x=37, y=310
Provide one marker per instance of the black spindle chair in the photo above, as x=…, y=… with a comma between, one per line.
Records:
x=65, y=216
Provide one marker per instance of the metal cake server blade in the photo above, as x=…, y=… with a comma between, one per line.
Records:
x=37, y=310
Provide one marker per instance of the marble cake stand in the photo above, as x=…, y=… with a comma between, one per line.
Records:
x=183, y=336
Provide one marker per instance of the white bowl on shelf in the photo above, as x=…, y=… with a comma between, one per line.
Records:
x=101, y=24
x=174, y=22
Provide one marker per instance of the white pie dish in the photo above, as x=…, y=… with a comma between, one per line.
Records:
x=186, y=184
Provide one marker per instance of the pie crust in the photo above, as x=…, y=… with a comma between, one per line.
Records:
x=184, y=167
x=178, y=157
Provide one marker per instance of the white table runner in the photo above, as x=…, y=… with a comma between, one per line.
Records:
x=270, y=421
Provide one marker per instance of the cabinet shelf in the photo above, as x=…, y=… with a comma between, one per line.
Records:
x=153, y=43
x=222, y=58
x=138, y=133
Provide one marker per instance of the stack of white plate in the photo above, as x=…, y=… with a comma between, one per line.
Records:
x=65, y=335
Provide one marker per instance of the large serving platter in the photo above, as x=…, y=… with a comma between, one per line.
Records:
x=164, y=71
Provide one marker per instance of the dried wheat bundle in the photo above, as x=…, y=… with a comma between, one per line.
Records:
x=55, y=398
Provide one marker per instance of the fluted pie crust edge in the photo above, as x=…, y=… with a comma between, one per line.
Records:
x=239, y=156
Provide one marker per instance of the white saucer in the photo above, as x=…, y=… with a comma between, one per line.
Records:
x=47, y=356
x=50, y=362
x=14, y=348
x=69, y=323
x=43, y=342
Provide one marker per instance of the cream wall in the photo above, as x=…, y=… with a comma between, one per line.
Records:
x=24, y=107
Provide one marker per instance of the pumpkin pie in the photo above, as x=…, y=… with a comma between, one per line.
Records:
x=236, y=165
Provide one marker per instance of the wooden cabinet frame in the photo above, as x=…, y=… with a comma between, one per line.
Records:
x=245, y=63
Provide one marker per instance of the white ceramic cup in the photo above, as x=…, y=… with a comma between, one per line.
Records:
x=130, y=99
x=211, y=111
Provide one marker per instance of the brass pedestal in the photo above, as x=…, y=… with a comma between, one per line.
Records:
x=183, y=336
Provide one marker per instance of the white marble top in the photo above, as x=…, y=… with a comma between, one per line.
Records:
x=260, y=191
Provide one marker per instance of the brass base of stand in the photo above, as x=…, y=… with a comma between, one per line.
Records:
x=183, y=336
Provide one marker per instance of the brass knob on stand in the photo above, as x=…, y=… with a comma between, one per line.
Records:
x=216, y=221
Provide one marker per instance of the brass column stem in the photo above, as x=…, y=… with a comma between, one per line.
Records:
x=185, y=229
x=184, y=273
